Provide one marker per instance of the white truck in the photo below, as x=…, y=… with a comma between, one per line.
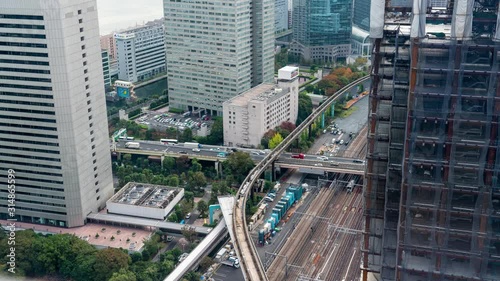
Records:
x=192, y=145
x=221, y=255
x=232, y=261
x=133, y=145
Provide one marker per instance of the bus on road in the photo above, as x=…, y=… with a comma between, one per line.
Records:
x=169, y=141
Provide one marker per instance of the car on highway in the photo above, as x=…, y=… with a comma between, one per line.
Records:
x=196, y=150
x=262, y=152
x=182, y=152
x=318, y=165
x=346, y=143
x=323, y=158
x=334, y=164
x=341, y=142
x=358, y=161
x=256, y=153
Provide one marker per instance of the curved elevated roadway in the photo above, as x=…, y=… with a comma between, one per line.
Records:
x=251, y=264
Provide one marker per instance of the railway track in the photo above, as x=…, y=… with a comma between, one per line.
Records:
x=341, y=265
x=289, y=255
x=332, y=262
x=358, y=145
x=321, y=253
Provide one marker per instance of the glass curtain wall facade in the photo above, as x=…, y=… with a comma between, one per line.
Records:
x=432, y=195
x=320, y=24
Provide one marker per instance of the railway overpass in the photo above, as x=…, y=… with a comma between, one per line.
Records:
x=252, y=266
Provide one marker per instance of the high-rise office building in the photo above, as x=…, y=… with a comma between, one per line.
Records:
x=432, y=195
x=140, y=51
x=217, y=50
x=361, y=14
x=281, y=15
x=108, y=43
x=53, y=124
x=321, y=29
x=105, y=68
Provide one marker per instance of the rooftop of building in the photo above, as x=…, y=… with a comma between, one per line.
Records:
x=261, y=92
x=137, y=28
x=289, y=68
x=145, y=195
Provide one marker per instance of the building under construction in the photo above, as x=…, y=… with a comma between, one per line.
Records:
x=432, y=193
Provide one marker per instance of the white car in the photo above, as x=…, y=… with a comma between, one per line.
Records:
x=196, y=150
x=318, y=165
x=323, y=158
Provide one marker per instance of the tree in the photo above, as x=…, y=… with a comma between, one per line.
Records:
x=172, y=133
x=109, y=261
x=288, y=126
x=173, y=180
x=197, y=179
x=202, y=206
x=186, y=136
x=127, y=159
x=238, y=164
x=192, y=276
x=195, y=165
x=123, y=275
x=205, y=263
x=305, y=108
x=275, y=141
x=267, y=136
x=166, y=268
x=168, y=165
x=310, y=88
x=217, y=132
x=173, y=217
x=189, y=233
x=189, y=196
x=182, y=163
x=149, y=134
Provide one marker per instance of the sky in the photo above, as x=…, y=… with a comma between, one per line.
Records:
x=115, y=15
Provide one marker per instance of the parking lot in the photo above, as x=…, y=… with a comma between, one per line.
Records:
x=163, y=120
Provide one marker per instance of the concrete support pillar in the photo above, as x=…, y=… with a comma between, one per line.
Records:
x=273, y=172
x=217, y=167
x=309, y=130
x=323, y=120
x=161, y=161
x=332, y=110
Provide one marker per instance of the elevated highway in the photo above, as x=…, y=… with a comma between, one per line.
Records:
x=209, y=153
x=251, y=264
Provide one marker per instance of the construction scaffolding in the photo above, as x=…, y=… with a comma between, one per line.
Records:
x=432, y=196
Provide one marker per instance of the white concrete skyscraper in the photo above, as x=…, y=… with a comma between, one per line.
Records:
x=53, y=125
x=216, y=50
